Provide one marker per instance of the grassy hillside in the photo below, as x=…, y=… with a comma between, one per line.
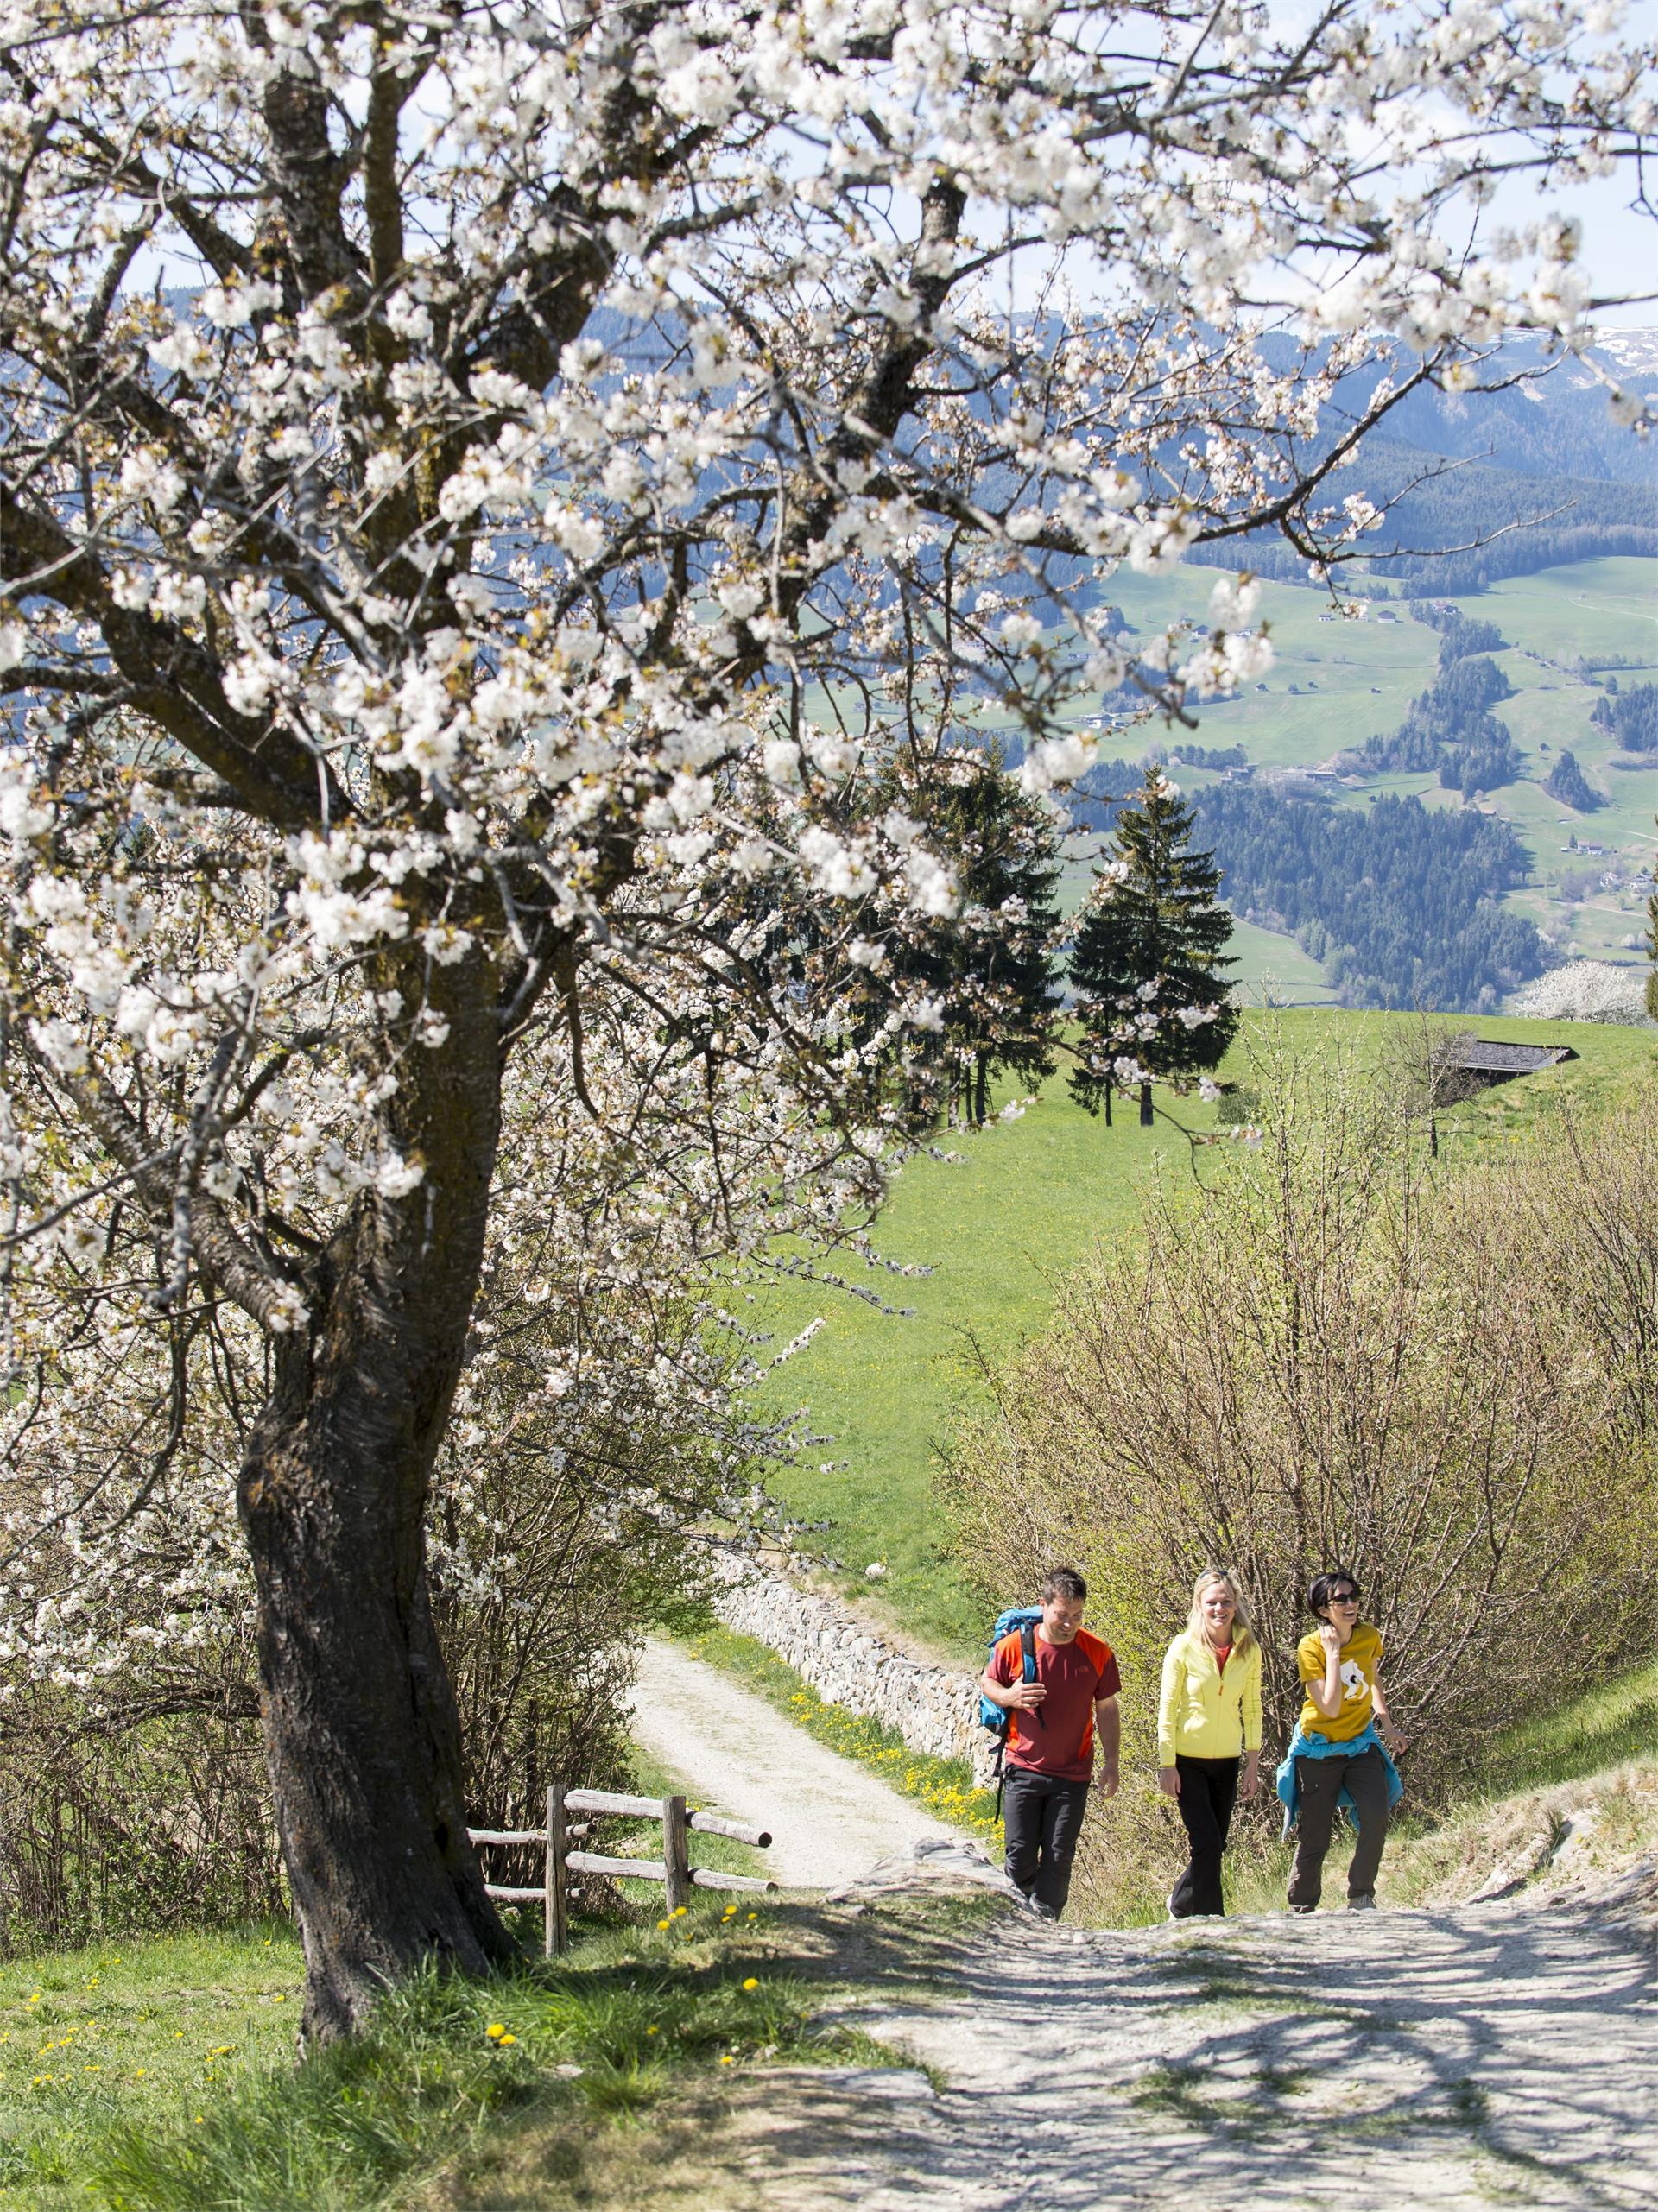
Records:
x=1021, y=1204
x=1336, y=683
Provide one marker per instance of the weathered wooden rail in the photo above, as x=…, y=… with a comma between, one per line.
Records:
x=673, y=1868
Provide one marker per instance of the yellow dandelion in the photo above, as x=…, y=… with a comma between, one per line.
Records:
x=664, y=1923
x=505, y=2039
x=495, y=2030
x=751, y=1983
x=653, y=2031
x=679, y=1912
x=727, y=2059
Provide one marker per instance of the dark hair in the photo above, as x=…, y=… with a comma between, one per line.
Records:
x=1318, y=1596
x=1066, y=1582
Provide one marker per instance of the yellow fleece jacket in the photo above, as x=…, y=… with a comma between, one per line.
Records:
x=1205, y=1712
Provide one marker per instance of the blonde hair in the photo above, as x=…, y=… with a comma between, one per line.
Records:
x=1211, y=1579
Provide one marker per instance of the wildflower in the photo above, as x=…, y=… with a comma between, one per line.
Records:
x=727, y=2058
x=751, y=1983
x=664, y=1923
x=679, y=1912
x=653, y=2030
x=495, y=2030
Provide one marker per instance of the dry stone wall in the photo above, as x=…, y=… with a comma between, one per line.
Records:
x=934, y=1709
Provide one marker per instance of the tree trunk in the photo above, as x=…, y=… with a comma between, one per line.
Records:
x=1108, y=1104
x=981, y=1103
x=361, y=1729
x=1147, y=1118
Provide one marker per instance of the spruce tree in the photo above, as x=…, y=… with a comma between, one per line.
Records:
x=1149, y=959
x=993, y=976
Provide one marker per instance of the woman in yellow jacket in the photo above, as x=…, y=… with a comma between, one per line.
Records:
x=1208, y=1726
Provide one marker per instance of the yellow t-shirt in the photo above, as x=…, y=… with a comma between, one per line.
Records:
x=1360, y=1657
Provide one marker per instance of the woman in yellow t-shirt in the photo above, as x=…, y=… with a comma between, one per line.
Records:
x=1208, y=1720
x=1345, y=1722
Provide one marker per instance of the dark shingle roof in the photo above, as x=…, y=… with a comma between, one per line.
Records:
x=1482, y=1057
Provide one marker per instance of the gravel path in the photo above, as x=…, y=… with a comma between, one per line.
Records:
x=1380, y=2063
x=830, y=1819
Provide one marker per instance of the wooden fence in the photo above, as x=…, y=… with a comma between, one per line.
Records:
x=673, y=1868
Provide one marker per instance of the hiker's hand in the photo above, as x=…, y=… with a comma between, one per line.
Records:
x=1168, y=1781
x=1025, y=1696
x=1252, y=1781
x=1330, y=1637
x=1391, y=1737
x=1109, y=1778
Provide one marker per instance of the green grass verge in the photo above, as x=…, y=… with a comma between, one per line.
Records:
x=1615, y=1722
x=193, y=2102
x=150, y=2031
x=944, y=1786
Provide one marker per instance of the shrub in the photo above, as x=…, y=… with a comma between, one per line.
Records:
x=1344, y=1351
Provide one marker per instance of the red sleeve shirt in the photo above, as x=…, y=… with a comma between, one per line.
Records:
x=1057, y=1738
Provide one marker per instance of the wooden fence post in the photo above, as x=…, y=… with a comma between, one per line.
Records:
x=558, y=1925
x=676, y=1852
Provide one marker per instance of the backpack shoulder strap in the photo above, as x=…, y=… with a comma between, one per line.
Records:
x=1028, y=1646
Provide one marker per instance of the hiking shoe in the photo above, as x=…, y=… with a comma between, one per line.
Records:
x=1365, y=1902
x=1303, y=1908
x=1168, y=1906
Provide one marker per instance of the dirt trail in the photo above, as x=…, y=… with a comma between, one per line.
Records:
x=1380, y=2063
x=830, y=1819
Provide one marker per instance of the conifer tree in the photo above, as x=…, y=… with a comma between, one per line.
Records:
x=988, y=986
x=1149, y=958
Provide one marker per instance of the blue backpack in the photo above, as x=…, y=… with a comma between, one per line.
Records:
x=1024, y=1619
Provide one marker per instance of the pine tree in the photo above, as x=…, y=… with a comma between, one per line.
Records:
x=1149, y=960
x=992, y=977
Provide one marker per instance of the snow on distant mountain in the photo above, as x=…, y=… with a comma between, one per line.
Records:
x=1634, y=351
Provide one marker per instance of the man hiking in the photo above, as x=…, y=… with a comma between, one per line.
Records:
x=1051, y=1722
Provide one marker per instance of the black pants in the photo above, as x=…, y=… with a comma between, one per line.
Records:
x=1208, y=1792
x=1320, y=1782
x=1042, y=1819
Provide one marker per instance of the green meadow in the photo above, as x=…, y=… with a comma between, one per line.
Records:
x=999, y=1223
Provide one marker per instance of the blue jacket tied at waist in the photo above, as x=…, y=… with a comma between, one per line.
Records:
x=1302, y=1746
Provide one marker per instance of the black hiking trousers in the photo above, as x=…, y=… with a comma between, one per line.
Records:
x=1208, y=1792
x=1320, y=1782
x=1042, y=1819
